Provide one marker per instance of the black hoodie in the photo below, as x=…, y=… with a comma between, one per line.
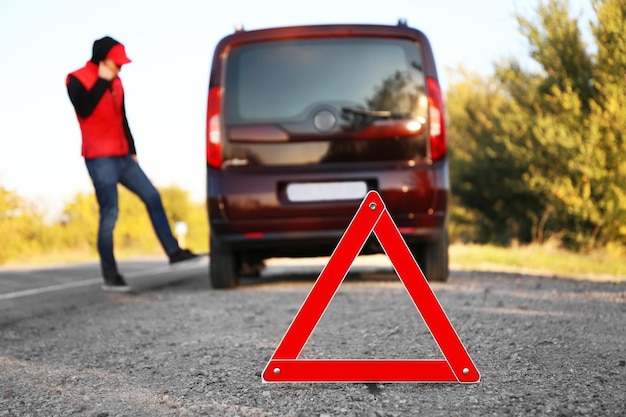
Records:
x=101, y=48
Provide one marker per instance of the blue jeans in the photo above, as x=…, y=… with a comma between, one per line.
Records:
x=105, y=174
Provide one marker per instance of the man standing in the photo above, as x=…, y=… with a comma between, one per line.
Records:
x=108, y=147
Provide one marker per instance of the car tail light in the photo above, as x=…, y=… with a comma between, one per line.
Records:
x=438, y=146
x=213, y=129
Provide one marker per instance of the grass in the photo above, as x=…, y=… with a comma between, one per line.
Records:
x=536, y=259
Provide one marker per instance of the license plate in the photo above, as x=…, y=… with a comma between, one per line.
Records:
x=326, y=191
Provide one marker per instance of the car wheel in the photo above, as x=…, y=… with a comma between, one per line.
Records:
x=222, y=268
x=436, y=266
x=433, y=259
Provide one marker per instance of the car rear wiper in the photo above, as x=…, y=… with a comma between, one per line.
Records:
x=378, y=114
x=379, y=123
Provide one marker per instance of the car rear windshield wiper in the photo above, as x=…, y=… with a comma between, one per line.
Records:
x=374, y=114
x=379, y=114
x=360, y=118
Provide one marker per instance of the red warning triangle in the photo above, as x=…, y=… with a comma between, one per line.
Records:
x=372, y=216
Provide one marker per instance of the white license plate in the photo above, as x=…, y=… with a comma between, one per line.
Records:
x=326, y=191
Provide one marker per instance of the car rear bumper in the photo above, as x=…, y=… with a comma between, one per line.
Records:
x=318, y=241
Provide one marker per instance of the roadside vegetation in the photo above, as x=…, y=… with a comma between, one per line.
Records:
x=538, y=154
x=545, y=259
x=28, y=238
x=537, y=163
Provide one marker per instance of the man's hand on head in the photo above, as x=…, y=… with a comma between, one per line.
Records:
x=106, y=72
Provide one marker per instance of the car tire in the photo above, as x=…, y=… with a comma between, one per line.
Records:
x=223, y=270
x=433, y=259
x=436, y=259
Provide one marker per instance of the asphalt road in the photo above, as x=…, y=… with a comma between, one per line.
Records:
x=30, y=292
x=176, y=347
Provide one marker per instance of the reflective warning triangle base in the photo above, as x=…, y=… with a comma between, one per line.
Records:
x=372, y=216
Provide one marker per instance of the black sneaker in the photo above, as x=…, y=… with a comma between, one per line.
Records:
x=115, y=284
x=183, y=255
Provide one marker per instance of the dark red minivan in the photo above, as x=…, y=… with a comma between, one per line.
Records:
x=302, y=122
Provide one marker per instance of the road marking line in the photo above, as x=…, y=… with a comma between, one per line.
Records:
x=91, y=281
x=51, y=288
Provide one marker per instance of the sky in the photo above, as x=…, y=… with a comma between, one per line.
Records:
x=171, y=44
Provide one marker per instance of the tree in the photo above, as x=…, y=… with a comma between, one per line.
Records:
x=552, y=139
x=26, y=235
x=485, y=174
x=557, y=151
x=180, y=208
x=556, y=44
x=75, y=229
x=608, y=129
x=21, y=226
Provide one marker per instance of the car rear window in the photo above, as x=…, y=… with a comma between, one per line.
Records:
x=284, y=81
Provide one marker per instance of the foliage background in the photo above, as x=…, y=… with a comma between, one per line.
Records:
x=539, y=155
x=27, y=235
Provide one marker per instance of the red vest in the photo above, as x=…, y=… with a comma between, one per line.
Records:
x=103, y=130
